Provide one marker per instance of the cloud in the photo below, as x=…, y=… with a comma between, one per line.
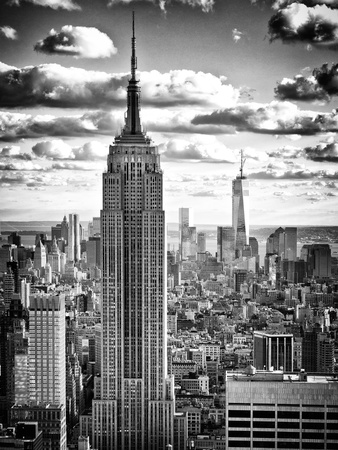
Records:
x=9, y=32
x=323, y=152
x=296, y=22
x=72, y=166
x=24, y=165
x=57, y=149
x=203, y=194
x=193, y=150
x=14, y=126
x=80, y=42
x=13, y=152
x=274, y=118
x=69, y=5
x=205, y=5
x=286, y=152
x=278, y=4
x=288, y=170
x=322, y=85
x=236, y=35
x=56, y=86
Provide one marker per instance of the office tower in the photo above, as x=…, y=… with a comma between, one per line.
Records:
x=40, y=257
x=290, y=251
x=14, y=239
x=5, y=256
x=201, y=242
x=94, y=227
x=134, y=401
x=54, y=258
x=60, y=231
x=184, y=219
x=276, y=411
x=272, y=243
x=254, y=246
x=225, y=244
x=240, y=277
x=317, y=351
x=273, y=350
x=201, y=246
x=74, y=238
x=94, y=251
x=319, y=261
x=240, y=209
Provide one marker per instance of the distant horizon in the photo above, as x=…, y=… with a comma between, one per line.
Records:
x=51, y=222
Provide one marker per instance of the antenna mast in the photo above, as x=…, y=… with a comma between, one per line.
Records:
x=242, y=164
x=133, y=51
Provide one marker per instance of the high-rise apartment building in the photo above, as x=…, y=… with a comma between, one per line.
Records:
x=74, y=238
x=134, y=402
x=46, y=349
x=240, y=209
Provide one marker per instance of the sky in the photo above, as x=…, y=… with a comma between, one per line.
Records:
x=216, y=77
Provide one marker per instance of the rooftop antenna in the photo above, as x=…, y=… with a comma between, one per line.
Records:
x=133, y=51
x=242, y=165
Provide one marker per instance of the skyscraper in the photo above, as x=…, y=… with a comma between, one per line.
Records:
x=290, y=243
x=225, y=244
x=184, y=217
x=74, y=238
x=240, y=209
x=46, y=349
x=134, y=402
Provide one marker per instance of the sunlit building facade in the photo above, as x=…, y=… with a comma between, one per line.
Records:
x=134, y=403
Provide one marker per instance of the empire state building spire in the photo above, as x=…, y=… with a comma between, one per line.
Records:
x=132, y=120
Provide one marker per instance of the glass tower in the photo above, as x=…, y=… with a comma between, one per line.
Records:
x=240, y=210
x=134, y=398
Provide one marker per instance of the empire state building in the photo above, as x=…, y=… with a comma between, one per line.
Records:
x=134, y=398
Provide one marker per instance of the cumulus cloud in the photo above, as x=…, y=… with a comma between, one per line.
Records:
x=69, y=5
x=287, y=152
x=23, y=165
x=58, y=149
x=80, y=42
x=323, y=152
x=277, y=119
x=9, y=32
x=13, y=152
x=289, y=170
x=14, y=126
x=56, y=86
x=321, y=85
x=278, y=4
x=193, y=150
x=205, y=5
x=274, y=118
x=296, y=22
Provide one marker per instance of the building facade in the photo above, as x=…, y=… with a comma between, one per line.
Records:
x=134, y=404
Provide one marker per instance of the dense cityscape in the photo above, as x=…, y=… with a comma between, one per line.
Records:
x=129, y=333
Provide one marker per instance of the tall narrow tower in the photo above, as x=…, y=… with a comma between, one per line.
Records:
x=134, y=403
x=240, y=209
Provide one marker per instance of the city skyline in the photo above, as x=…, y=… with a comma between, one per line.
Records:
x=238, y=81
